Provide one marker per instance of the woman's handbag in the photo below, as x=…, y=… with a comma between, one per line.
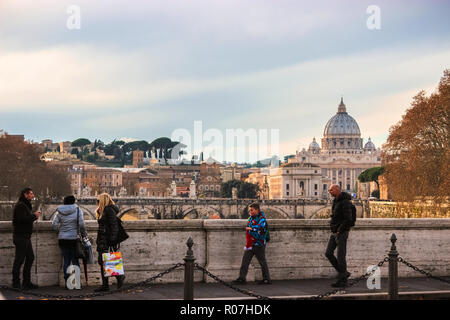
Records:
x=112, y=263
x=121, y=234
x=80, y=250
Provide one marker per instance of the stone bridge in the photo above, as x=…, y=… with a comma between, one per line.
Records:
x=215, y=208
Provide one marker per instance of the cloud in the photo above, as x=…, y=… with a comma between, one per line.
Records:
x=149, y=69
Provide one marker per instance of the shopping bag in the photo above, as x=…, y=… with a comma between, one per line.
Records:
x=112, y=264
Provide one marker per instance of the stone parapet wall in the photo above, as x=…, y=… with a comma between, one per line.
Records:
x=296, y=249
x=422, y=209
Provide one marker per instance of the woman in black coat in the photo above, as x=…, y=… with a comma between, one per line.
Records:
x=107, y=236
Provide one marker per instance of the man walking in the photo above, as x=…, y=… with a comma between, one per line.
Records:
x=341, y=221
x=255, y=245
x=23, y=219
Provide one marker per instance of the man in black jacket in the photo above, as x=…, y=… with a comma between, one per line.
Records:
x=23, y=219
x=341, y=220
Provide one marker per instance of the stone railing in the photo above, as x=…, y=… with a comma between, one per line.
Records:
x=422, y=209
x=296, y=249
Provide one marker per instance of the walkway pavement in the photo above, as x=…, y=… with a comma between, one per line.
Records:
x=409, y=288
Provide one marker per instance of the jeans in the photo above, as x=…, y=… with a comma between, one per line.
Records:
x=24, y=253
x=68, y=251
x=339, y=263
x=260, y=253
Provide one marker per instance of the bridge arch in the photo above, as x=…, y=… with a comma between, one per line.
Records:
x=277, y=210
x=189, y=211
x=319, y=212
x=198, y=210
x=129, y=210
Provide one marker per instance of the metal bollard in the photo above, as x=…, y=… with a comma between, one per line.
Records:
x=189, y=271
x=393, y=271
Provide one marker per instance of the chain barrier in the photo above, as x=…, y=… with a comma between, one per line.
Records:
x=96, y=294
x=146, y=282
x=426, y=273
x=351, y=282
x=243, y=291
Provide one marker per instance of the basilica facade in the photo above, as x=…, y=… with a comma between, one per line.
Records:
x=340, y=158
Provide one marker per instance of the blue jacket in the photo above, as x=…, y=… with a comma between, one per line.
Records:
x=259, y=229
x=65, y=222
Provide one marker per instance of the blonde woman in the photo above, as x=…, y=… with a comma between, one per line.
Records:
x=107, y=236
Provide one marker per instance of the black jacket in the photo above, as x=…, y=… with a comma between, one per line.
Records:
x=108, y=229
x=23, y=218
x=341, y=213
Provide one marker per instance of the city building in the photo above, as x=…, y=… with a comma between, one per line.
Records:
x=58, y=156
x=210, y=182
x=231, y=172
x=340, y=160
x=144, y=182
x=91, y=181
x=65, y=146
x=49, y=145
x=138, y=158
x=294, y=180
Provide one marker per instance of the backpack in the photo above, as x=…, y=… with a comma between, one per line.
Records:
x=353, y=214
x=267, y=232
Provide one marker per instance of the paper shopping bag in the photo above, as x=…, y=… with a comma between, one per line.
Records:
x=112, y=264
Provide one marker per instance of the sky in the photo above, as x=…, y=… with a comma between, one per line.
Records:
x=142, y=70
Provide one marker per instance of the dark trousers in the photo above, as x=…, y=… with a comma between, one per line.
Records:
x=68, y=251
x=260, y=253
x=339, y=263
x=24, y=253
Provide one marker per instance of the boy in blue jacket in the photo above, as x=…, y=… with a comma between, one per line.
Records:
x=256, y=231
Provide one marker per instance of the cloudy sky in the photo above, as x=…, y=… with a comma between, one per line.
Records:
x=142, y=70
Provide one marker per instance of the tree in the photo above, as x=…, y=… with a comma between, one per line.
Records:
x=135, y=145
x=417, y=151
x=376, y=193
x=99, y=144
x=228, y=186
x=81, y=142
x=160, y=145
x=165, y=146
x=371, y=174
x=118, y=142
x=246, y=190
x=21, y=167
x=89, y=158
